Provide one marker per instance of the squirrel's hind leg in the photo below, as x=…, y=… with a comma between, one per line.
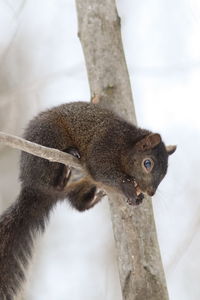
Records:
x=63, y=178
x=64, y=172
x=83, y=194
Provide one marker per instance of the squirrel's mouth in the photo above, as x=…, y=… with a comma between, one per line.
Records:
x=150, y=191
x=137, y=189
x=139, y=195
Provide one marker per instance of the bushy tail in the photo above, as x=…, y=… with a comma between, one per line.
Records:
x=18, y=226
x=22, y=220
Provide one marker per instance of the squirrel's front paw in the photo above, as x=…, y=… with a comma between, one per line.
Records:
x=131, y=192
x=128, y=189
x=139, y=198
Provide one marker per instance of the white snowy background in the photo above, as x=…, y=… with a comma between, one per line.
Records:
x=42, y=65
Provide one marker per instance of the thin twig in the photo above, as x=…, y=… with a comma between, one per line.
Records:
x=53, y=155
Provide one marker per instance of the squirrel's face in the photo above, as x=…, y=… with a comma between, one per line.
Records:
x=147, y=163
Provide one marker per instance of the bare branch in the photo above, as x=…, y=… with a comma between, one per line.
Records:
x=140, y=266
x=51, y=154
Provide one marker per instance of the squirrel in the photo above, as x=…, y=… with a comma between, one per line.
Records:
x=117, y=154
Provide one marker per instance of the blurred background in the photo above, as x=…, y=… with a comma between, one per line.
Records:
x=42, y=65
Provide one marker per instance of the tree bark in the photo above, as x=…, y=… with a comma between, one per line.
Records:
x=140, y=266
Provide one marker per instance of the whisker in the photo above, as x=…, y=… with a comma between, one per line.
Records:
x=161, y=203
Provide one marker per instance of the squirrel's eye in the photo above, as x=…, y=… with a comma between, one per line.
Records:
x=148, y=164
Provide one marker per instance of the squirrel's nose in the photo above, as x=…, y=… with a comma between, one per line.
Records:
x=151, y=191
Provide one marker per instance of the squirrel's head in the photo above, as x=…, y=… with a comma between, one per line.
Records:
x=147, y=163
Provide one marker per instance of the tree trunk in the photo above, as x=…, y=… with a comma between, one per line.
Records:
x=140, y=267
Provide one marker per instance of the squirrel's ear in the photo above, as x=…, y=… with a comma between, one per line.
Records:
x=148, y=142
x=171, y=149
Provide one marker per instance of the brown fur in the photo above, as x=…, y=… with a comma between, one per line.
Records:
x=112, y=151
